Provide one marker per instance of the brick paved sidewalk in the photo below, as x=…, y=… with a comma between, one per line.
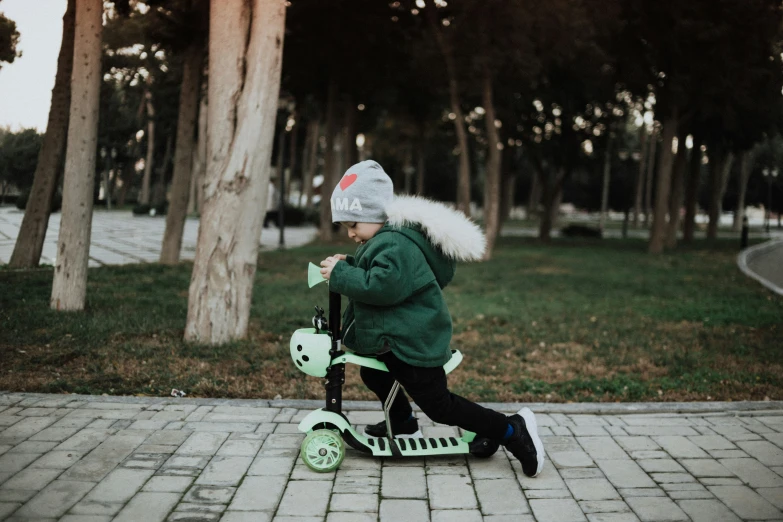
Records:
x=84, y=458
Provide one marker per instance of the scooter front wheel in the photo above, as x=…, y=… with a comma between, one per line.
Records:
x=483, y=448
x=323, y=450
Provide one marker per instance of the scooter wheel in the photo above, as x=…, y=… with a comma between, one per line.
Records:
x=323, y=450
x=483, y=448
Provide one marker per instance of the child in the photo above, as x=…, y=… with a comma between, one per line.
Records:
x=408, y=252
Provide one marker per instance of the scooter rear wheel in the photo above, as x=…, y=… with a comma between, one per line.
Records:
x=483, y=448
x=323, y=450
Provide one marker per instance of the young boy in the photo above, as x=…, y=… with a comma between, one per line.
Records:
x=408, y=248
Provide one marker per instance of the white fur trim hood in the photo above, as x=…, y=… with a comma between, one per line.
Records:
x=450, y=230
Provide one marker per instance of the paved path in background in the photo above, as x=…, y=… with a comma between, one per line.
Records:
x=78, y=458
x=120, y=238
x=765, y=262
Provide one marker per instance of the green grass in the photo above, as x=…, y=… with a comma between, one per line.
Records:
x=574, y=321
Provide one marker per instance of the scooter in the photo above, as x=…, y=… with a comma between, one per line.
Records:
x=318, y=352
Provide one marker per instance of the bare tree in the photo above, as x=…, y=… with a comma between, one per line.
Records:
x=245, y=49
x=311, y=150
x=492, y=174
x=29, y=242
x=144, y=196
x=639, y=191
x=677, y=190
x=331, y=162
x=663, y=184
x=719, y=174
x=183, y=155
x=742, y=181
x=69, y=287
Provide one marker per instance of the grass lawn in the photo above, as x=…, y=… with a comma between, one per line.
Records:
x=574, y=321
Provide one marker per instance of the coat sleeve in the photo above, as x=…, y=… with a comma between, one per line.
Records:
x=388, y=280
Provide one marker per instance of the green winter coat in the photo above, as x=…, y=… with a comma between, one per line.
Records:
x=394, y=285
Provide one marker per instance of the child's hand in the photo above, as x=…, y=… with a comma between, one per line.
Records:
x=327, y=265
x=340, y=257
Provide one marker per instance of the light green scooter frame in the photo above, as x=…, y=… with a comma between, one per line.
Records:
x=323, y=449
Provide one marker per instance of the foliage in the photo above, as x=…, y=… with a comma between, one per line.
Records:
x=18, y=157
x=9, y=39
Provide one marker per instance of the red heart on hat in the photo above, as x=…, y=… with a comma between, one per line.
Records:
x=347, y=181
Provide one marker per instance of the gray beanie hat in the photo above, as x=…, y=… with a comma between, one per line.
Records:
x=362, y=194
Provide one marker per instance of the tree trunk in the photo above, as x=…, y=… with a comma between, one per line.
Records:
x=692, y=191
x=606, y=181
x=144, y=196
x=312, y=161
x=159, y=191
x=677, y=190
x=330, y=162
x=534, y=197
x=446, y=49
x=742, y=181
x=640, y=177
x=183, y=155
x=199, y=160
x=492, y=174
x=29, y=242
x=69, y=287
x=124, y=187
x=663, y=185
x=245, y=47
x=350, y=152
x=293, y=164
x=651, y=151
x=552, y=193
x=719, y=172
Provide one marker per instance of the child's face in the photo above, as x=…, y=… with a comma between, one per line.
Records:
x=361, y=232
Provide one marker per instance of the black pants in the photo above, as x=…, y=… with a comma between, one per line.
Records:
x=427, y=387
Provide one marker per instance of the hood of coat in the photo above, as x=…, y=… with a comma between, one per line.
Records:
x=450, y=231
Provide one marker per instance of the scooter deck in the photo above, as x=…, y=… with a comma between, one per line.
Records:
x=417, y=446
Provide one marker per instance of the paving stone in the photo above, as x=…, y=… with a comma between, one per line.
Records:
x=592, y=489
x=281, y=441
x=720, y=481
x=55, y=499
x=224, y=471
x=349, y=502
x=241, y=427
x=581, y=473
x=672, y=478
x=612, y=517
x=553, y=510
x=157, y=448
x=496, y=467
x=635, y=443
x=707, y=511
x=403, y=483
x=53, y=434
x=165, y=484
x=641, y=492
x=658, y=431
x=712, y=442
x=85, y=518
x=258, y=494
x=16, y=495
x=705, y=468
x=448, y=492
x=773, y=495
x=648, y=454
x=202, y=443
x=452, y=470
x=357, y=485
x=13, y=462
x=654, y=509
x=500, y=497
x=6, y=508
x=449, y=515
x=690, y=495
x=625, y=473
x=168, y=438
x=25, y=429
x=547, y=493
x=602, y=448
x=209, y=494
x=31, y=479
x=752, y=472
x=104, y=458
x=764, y=451
x=120, y=485
x=246, y=516
x=746, y=503
x=244, y=448
x=394, y=510
x=549, y=478
x=302, y=472
x=30, y=446
x=149, y=507
x=660, y=465
x=570, y=459
x=305, y=499
x=193, y=517
x=604, y=506
x=93, y=508
x=586, y=431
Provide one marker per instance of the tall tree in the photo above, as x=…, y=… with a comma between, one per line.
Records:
x=9, y=39
x=69, y=287
x=186, y=129
x=29, y=242
x=245, y=48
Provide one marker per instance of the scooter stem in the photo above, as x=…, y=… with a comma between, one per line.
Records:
x=335, y=376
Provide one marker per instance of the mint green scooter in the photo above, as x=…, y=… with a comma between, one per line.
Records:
x=318, y=352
